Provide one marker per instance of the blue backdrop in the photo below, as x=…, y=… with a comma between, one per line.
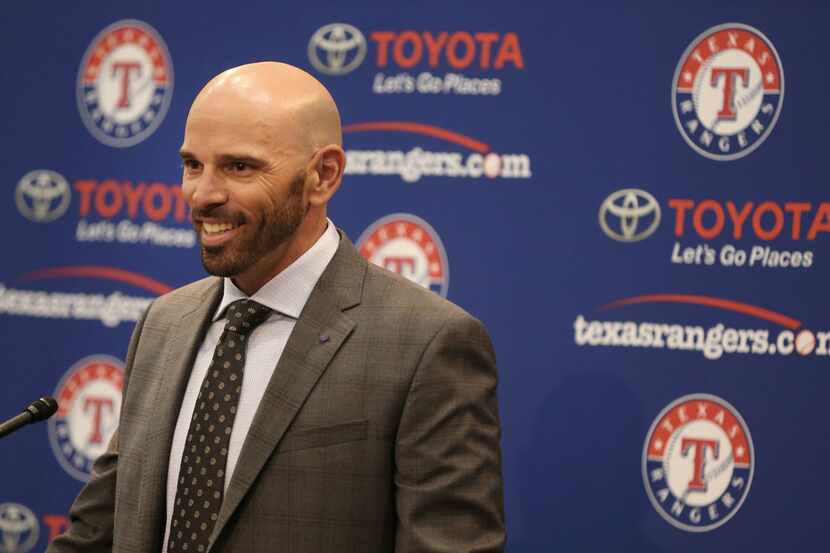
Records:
x=628, y=195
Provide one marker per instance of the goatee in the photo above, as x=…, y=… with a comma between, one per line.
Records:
x=276, y=226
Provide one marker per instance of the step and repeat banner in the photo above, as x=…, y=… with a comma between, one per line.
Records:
x=631, y=196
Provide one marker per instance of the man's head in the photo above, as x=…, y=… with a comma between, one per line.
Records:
x=262, y=156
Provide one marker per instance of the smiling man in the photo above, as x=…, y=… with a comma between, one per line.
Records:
x=304, y=400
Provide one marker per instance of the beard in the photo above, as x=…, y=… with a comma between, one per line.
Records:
x=276, y=226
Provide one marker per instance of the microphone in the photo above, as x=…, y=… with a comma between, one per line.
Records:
x=39, y=410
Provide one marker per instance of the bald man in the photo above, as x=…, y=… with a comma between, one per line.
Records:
x=298, y=400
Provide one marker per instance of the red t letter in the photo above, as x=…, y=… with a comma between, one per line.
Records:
x=97, y=404
x=731, y=74
x=697, y=482
x=127, y=67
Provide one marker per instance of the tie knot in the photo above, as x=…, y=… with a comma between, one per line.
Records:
x=245, y=315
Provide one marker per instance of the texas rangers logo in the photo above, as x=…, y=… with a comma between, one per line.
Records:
x=727, y=92
x=409, y=246
x=125, y=83
x=89, y=395
x=698, y=462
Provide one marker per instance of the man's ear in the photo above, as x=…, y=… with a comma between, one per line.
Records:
x=327, y=167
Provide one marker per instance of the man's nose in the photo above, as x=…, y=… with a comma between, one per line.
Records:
x=208, y=191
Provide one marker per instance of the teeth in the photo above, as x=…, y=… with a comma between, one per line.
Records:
x=214, y=228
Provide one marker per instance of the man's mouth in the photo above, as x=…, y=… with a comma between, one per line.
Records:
x=217, y=234
x=212, y=229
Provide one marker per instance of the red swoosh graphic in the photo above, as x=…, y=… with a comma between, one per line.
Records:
x=108, y=273
x=727, y=305
x=420, y=128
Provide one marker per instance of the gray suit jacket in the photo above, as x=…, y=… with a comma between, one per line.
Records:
x=378, y=430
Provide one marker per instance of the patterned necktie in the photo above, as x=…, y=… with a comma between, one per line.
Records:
x=204, y=459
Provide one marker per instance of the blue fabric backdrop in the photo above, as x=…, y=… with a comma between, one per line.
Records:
x=629, y=195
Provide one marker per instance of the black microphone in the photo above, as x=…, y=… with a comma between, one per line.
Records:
x=39, y=410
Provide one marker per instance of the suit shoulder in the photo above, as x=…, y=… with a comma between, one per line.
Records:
x=187, y=296
x=387, y=290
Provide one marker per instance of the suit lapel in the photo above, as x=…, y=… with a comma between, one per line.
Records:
x=181, y=353
x=318, y=334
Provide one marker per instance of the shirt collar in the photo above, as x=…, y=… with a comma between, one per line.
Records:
x=288, y=292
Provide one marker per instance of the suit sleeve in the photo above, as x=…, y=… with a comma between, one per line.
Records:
x=448, y=476
x=92, y=514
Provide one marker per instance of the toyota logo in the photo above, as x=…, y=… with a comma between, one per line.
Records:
x=42, y=196
x=337, y=49
x=634, y=215
x=19, y=528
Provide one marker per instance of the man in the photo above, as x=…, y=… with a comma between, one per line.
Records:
x=337, y=408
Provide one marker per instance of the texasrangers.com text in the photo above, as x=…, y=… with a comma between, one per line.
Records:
x=713, y=342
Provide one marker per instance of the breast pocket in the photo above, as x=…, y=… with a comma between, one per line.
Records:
x=321, y=436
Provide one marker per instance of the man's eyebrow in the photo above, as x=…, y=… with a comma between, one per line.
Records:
x=243, y=158
x=227, y=158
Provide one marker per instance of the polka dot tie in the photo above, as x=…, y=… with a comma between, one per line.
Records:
x=204, y=459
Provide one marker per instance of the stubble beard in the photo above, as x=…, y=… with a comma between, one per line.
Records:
x=276, y=226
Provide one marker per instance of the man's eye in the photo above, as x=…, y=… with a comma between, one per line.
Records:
x=191, y=164
x=239, y=166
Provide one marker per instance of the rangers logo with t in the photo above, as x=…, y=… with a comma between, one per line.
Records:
x=125, y=83
x=727, y=91
x=698, y=462
x=89, y=395
x=407, y=245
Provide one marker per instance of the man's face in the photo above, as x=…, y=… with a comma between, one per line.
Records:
x=245, y=189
